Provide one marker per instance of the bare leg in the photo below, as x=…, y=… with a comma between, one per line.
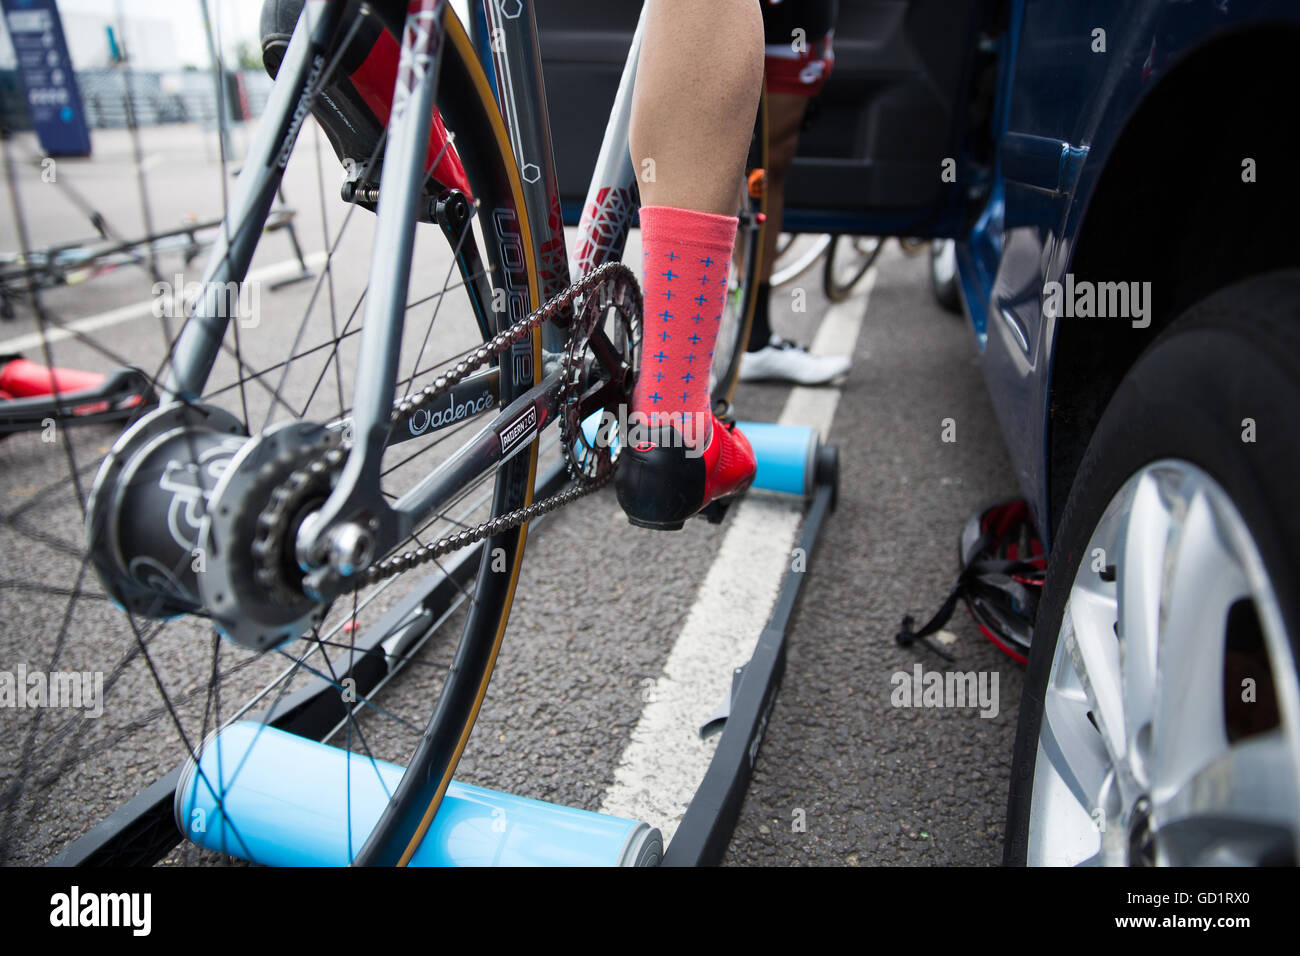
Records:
x=697, y=87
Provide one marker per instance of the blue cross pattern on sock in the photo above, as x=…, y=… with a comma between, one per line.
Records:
x=678, y=359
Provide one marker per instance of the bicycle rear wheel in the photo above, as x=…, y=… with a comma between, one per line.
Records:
x=286, y=378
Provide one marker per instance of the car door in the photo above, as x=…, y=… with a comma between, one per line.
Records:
x=899, y=142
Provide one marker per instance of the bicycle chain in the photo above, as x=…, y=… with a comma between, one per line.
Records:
x=272, y=522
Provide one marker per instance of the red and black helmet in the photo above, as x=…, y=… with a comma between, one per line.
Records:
x=1003, y=563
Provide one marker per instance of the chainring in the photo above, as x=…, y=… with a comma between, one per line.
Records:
x=600, y=370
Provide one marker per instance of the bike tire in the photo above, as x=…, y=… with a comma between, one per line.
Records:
x=467, y=104
x=837, y=282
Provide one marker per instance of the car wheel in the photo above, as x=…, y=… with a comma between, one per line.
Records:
x=1160, y=722
x=943, y=274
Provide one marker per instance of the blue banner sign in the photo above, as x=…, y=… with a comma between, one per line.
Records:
x=45, y=69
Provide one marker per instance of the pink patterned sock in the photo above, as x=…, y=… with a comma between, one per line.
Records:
x=686, y=256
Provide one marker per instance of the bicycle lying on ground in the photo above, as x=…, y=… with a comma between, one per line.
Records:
x=284, y=485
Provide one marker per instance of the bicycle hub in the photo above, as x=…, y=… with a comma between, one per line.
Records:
x=146, y=511
x=177, y=522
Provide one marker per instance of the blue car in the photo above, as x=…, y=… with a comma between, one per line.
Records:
x=1110, y=184
x=1116, y=180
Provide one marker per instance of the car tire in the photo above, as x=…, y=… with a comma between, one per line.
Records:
x=1200, y=435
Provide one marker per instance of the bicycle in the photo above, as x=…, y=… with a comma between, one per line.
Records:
x=285, y=531
x=847, y=259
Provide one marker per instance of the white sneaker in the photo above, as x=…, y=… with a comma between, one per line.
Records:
x=784, y=361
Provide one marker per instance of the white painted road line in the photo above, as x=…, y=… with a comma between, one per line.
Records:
x=138, y=310
x=665, y=760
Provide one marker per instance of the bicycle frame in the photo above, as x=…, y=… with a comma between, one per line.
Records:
x=516, y=65
x=612, y=196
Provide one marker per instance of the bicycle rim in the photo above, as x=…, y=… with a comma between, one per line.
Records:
x=800, y=254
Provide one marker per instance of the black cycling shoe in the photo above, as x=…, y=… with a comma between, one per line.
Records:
x=661, y=481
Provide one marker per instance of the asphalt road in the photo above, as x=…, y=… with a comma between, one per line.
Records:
x=843, y=778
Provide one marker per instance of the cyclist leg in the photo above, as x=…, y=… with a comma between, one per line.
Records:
x=697, y=89
x=785, y=113
x=799, y=56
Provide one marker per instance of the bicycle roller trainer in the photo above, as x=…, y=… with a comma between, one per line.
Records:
x=282, y=796
x=283, y=792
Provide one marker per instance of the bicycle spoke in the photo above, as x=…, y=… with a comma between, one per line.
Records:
x=329, y=272
x=29, y=740
x=451, y=269
x=361, y=699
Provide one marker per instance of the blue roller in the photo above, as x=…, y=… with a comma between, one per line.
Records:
x=787, y=456
x=284, y=800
